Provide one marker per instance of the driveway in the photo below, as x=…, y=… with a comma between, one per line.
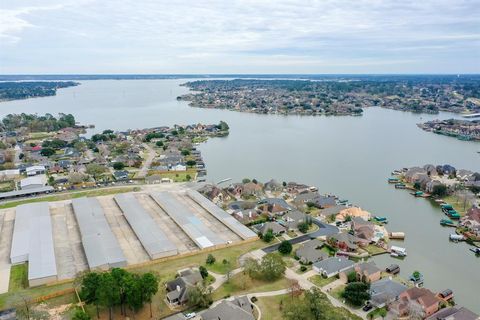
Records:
x=324, y=229
x=148, y=161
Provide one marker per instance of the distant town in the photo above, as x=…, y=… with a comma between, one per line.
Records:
x=460, y=129
x=423, y=95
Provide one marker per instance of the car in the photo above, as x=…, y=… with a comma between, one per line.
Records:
x=190, y=315
x=367, y=307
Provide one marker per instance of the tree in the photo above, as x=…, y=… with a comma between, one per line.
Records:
x=121, y=277
x=303, y=227
x=356, y=293
x=47, y=152
x=89, y=290
x=118, y=165
x=210, y=259
x=185, y=152
x=251, y=268
x=159, y=144
x=285, y=247
x=272, y=267
x=76, y=177
x=245, y=180
x=268, y=236
x=80, y=315
x=108, y=292
x=203, y=272
x=294, y=288
x=439, y=190
x=149, y=288
x=191, y=163
x=352, y=276
x=134, y=293
x=199, y=296
x=95, y=170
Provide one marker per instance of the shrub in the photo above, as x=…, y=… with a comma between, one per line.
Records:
x=285, y=247
x=210, y=259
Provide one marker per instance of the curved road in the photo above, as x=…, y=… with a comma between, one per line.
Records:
x=323, y=230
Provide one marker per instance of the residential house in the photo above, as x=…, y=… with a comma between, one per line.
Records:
x=120, y=175
x=33, y=182
x=264, y=227
x=363, y=229
x=333, y=210
x=273, y=185
x=471, y=220
x=385, y=291
x=346, y=242
x=415, y=300
x=252, y=189
x=177, y=289
x=353, y=212
x=246, y=216
x=332, y=266
x=237, y=309
x=367, y=272
x=454, y=313
x=178, y=167
x=34, y=170
x=292, y=219
x=310, y=252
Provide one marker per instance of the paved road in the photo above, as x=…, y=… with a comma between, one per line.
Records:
x=323, y=230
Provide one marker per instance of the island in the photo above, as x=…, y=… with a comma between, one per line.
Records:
x=11, y=90
x=349, y=96
x=461, y=129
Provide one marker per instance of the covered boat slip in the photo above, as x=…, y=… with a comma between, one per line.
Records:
x=186, y=220
x=99, y=243
x=33, y=242
x=232, y=223
x=153, y=239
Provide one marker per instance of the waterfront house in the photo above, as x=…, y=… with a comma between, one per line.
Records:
x=353, y=212
x=177, y=289
x=273, y=185
x=446, y=295
x=471, y=220
x=303, y=198
x=310, y=252
x=385, y=291
x=454, y=313
x=363, y=229
x=346, y=242
x=419, y=300
x=367, y=272
x=238, y=308
x=333, y=210
x=332, y=266
x=252, y=189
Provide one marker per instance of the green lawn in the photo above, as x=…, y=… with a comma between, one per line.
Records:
x=176, y=176
x=457, y=204
x=270, y=306
x=6, y=186
x=374, y=250
x=337, y=292
x=320, y=281
x=18, y=277
x=381, y=312
x=241, y=284
x=69, y=195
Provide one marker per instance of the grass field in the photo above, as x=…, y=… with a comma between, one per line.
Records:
x=6, y=186
x=176, y=176
x=270, y=306
x=374, y=250
x=18, y=277
x=457, y=204
x=240, y=284
x=320, y=281
x=69, y=195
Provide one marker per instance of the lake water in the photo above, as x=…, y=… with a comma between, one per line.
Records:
x=348, y=156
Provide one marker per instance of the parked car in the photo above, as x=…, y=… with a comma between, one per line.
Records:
x=367, y=307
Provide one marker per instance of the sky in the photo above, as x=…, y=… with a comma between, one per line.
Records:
x=239, y=36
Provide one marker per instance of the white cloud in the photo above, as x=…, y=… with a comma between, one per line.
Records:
x=222, y=36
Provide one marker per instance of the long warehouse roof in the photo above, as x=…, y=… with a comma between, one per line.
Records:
x=232, y=223
x=33, y=240
x=99, y=243
x=153, y=239
x=184, y=217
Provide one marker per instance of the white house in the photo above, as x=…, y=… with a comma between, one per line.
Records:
x=34, y=170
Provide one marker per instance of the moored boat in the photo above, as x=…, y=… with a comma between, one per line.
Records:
x=400, y=186
x=447, y=223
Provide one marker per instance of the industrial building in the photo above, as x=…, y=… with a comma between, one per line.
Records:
x=100, y=245
x=33, y=242
x=232, y=223
x=188, y=222
x=153, y=239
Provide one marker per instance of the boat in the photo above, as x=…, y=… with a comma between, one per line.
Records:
x=446, y=206
x=380, y=219
x=397, y=235
x=400, y=185
x=418, y=193
x=393, y=180
x=416, y=278
x=398, y=251
x=342, y=202
x=476, y=251
x=456, y=237
x=453, y=214
x=393, y=269
x=447, y=223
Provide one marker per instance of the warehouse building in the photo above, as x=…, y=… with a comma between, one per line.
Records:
x=187, y=221
x=153, y=239
x=99, y=243
x=232, y=223
x=33, y=242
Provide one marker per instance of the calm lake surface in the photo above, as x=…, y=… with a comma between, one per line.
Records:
x=348, y=156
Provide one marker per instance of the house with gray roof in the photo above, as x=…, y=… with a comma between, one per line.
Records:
x=237, y=309
x=454, y=313
x=291, y=219
x=275, y=226
x=332, y=266
x=310, y=252
x=385, y=291
x=177, y=289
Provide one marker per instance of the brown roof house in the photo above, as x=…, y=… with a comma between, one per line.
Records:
x=367, y=272
x=415, y=301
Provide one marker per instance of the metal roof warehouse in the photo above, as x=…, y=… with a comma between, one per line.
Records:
x=188, y=222
x=33, y=242
x=232, y=223
x=99, y=243
x=153, y=239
